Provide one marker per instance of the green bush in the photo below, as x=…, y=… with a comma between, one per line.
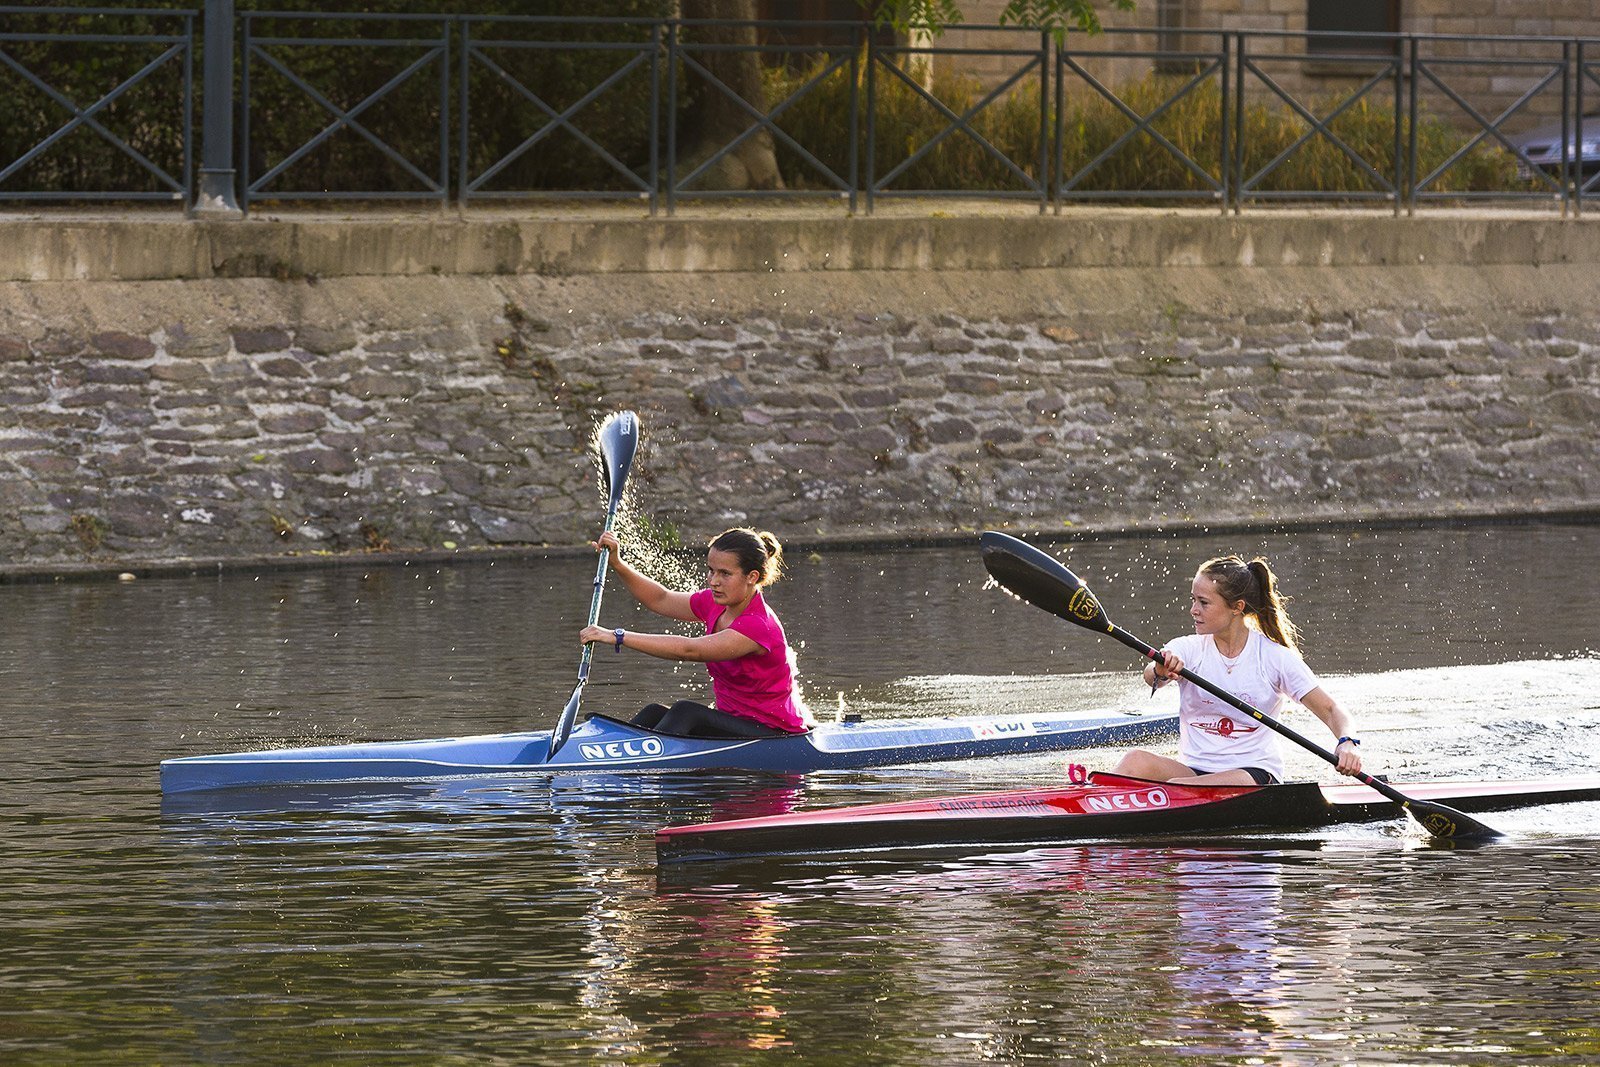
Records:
x=502, y=119
x=906, y=121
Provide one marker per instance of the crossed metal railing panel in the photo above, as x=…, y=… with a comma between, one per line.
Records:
x=681, y=54
x=477, y=51
x=1034, y=58
x=1320, y=126
x=1433, y=70
x=435, y=50
x=179, y=47
x=1388, y=71
x=1207, y=65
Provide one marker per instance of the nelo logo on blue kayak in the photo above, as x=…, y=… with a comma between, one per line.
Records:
x=1152, y=798
x=609, y=750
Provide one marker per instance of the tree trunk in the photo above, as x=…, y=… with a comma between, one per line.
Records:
x=716, y=119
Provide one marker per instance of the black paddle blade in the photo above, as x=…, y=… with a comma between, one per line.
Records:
x=1441, y=821
x=1041, y=580
x=619, y=440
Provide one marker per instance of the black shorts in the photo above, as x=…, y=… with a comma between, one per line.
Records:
x=1259, y=776
x=687, y=718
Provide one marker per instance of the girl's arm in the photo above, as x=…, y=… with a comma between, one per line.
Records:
x=1338, y=720
x=712, y=648
x=646, y=590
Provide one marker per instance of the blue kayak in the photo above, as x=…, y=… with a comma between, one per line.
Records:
x=606, y=744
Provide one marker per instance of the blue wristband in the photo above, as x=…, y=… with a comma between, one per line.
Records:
x=1353, y=740
x=619, y=632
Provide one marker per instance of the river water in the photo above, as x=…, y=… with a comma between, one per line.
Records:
x=525, y=921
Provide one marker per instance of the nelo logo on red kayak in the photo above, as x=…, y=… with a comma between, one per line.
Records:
x=1150, y=798
x=649, y=746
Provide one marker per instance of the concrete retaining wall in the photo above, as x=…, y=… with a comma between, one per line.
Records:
x=174, y=388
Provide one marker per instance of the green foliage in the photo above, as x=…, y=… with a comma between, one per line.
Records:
x=906, y=121
x=147, y=116
x=503, y=118
x=507, y=82
x=1313, y=164
x=1057, y=16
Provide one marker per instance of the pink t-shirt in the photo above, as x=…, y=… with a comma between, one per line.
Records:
x=759, y=686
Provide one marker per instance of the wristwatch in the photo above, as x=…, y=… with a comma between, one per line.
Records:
x=619, y=633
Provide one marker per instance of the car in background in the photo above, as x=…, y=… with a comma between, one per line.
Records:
x=1540, y=147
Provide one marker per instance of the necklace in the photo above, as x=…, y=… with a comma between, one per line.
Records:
x=1230, y=662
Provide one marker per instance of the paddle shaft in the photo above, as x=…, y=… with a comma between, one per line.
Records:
x=1262, y=717
x=594, y=601
x=619, y=439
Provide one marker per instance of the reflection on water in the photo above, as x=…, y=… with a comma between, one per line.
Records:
x=523, y=919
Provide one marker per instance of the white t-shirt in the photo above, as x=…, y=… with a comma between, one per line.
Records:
x=1215, y=736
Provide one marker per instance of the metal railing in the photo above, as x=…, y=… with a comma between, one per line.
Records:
x=695, y=58
x=1218, y=117
x=1034, y=56
x=167, y=49
x=269, y=52
x=485, y=44
x=1373, y=73
x=1207, y=65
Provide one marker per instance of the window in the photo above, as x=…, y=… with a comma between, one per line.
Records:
x=1358, y=22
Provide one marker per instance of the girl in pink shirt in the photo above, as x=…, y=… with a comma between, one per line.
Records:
x=744, y=648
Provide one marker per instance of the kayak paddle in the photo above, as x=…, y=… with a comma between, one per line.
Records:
x=1042, y=581
x=619, y=440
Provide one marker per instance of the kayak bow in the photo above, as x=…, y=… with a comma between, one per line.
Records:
x=606, y=744
x=1107, y=806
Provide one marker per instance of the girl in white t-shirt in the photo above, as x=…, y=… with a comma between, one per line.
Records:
x=1245, y=644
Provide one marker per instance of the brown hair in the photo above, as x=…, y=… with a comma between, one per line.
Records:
x=1256, y=585
x=756, y=550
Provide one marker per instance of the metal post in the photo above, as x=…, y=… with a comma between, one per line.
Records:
x=464, y=120
x=1399, y=111
x=858, y=39
x=1226, y=106
x=1413, y=105
x=1045, y=180
x=1577, y=134
x=872, y=120
x=1238, y=125
x=1567, y=147
x=672, y=117
x=655, y=119
x=217, y=196
x=1058, y=173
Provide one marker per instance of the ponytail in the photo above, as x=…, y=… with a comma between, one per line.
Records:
x=756, y=550
x=1256, y=585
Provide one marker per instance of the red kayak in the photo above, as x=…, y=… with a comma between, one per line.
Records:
x=1106, y=806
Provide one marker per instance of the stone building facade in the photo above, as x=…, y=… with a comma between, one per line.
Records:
x=1490, y=74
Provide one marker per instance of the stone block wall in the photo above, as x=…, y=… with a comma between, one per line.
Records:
x=209, y=417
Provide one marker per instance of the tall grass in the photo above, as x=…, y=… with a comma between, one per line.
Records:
x=1092, y=125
